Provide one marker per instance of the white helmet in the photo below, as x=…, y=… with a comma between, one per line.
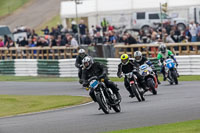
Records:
x=162, y=48
x=81, y=52
x=87, y=62
x=138, y=56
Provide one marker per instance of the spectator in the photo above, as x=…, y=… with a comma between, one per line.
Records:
x=59, y=40
x=72, y=41
x=110, y=28
x=53, y=42
x=82, y=27
x=198, y=37
x=105, y=38
x=46, y=30
x=92, y=31
x=74, y=26
x=32, y=44
x=5, y=40
x=98, y=38
x=112, y=38
x=131, y=39
x=192, y=30
x=188, y=34
x=23, y=42
x=1, y=42
x=10, y=43
x=98, y=28
x=198, y=29
x=42, y=42
x=168, y=39
x=88, y=39
x=104, y=24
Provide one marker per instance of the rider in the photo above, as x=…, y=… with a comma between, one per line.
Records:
x=127, y=65
x=139, y=59
x=78, y=64
x=163, y=54
x=91, y=69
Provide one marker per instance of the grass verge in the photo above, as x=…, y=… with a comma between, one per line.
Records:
x=180, y=127
x=13, y=105
x=57, y=79
x=35, y=79
x=9, y=6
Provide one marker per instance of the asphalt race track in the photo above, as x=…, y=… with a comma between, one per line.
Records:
x=172, y=104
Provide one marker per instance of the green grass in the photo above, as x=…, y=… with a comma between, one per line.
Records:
x=180, y=127
x=13, y=105
x=36, y=79
x=57, y=79
x=51, y=23
x=9, y=6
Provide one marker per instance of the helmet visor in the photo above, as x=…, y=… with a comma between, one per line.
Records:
x=137, y=57
x=86, y=64
x=82, y=55
x=124, y=61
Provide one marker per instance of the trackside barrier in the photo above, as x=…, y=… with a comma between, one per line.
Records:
x=151, y=50
x=188, y=65
x=7, y=67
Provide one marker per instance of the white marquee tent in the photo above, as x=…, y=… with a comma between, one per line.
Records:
x=93, y=9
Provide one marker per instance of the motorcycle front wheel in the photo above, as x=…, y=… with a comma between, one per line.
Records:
x=102, y=103
x=136, y=92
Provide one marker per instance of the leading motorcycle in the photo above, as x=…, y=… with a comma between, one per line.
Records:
x=105, y=97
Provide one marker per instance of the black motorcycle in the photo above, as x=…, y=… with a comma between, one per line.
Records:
x=135, y=89
x=105, y=97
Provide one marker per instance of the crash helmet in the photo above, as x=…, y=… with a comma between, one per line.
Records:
x=87, y=62
x=81, y=53
x=138, y=56
x=124, y=59
x=162, y=48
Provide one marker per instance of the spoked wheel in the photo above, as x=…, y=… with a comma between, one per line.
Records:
x=151, y=84
x=136, y=92
x=102, y=103
x=174, y=76
x=117, y=108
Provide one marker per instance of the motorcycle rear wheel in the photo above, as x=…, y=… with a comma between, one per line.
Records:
x=151, y=84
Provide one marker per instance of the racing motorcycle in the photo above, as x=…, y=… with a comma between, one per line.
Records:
x=135, y=88
x=105, y=97
x=170, y=70
x=150, y=78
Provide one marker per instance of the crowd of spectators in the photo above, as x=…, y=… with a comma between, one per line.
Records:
x=104, y=34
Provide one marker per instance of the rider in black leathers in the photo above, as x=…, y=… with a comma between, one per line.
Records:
x=139, y=59
x=78, y=63
x=127, y=65
x=91, y=69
